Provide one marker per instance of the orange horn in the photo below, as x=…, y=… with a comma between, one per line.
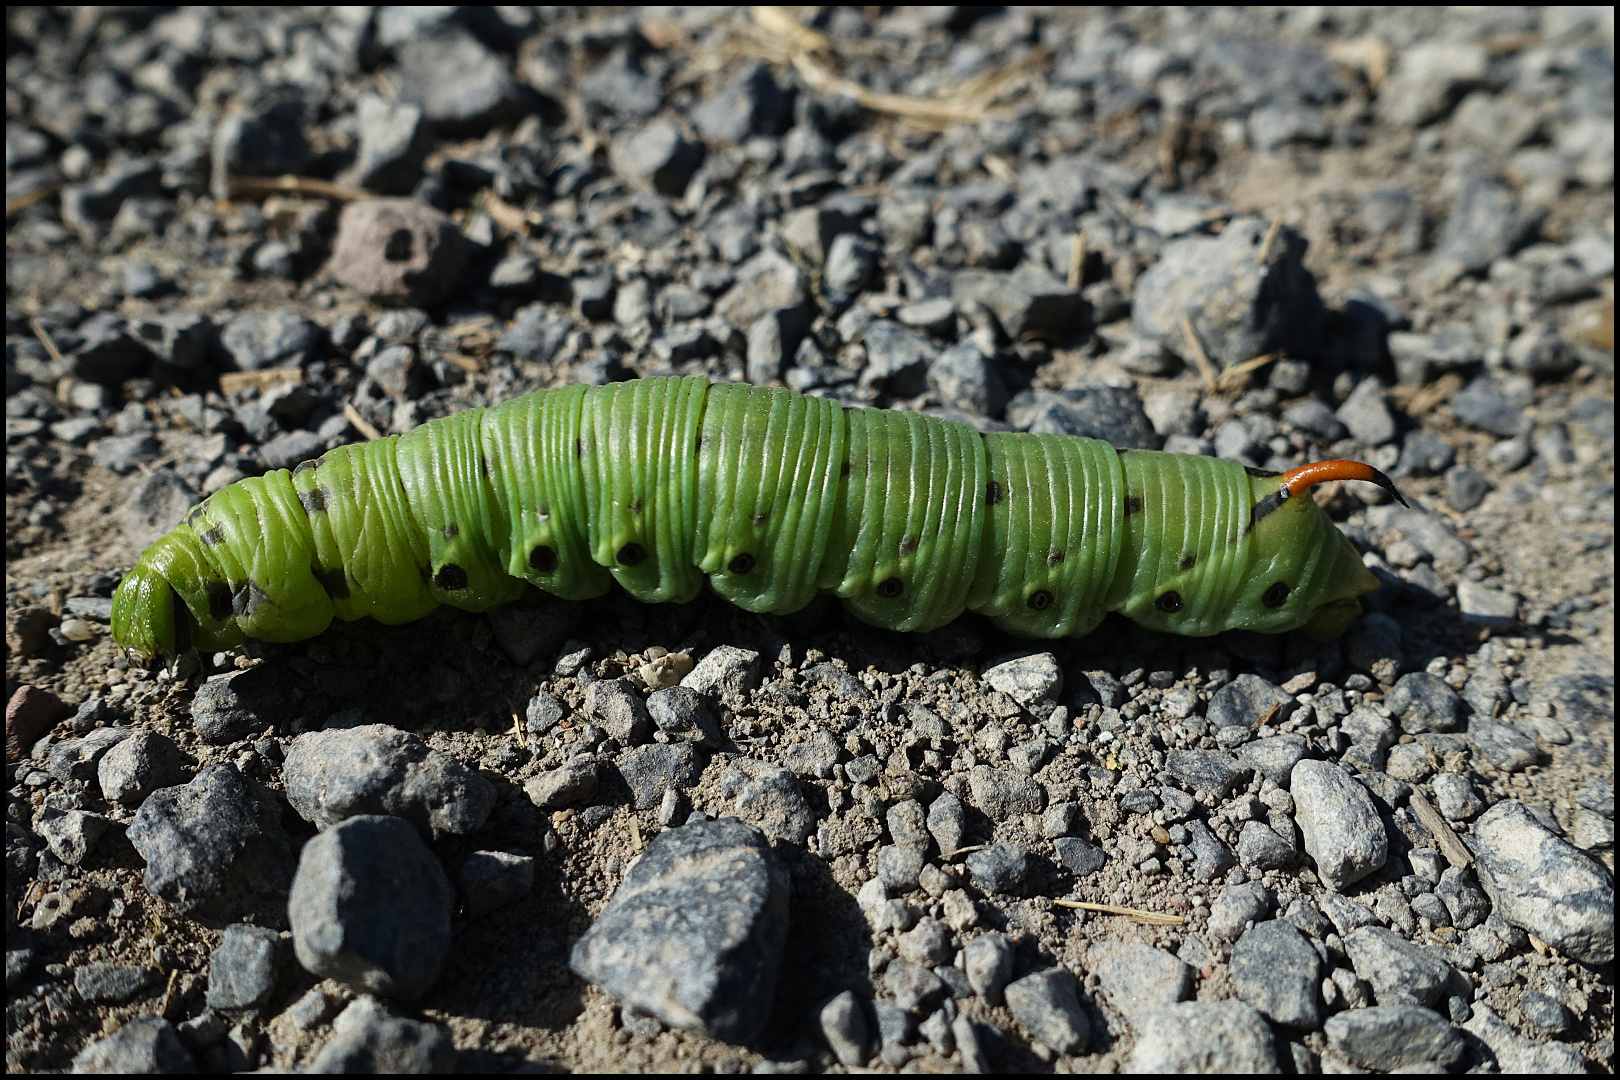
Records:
x=1300, y=480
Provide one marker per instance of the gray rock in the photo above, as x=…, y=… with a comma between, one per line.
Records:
x=367, y=1038
x=1275, y=969
x=1110, y=413
x=1275, y=758
x=963, y=377
x=614, y=704
x=1455, y=796
x=110, y=984
x=1583, y=699
x=1027, y=302
x=724, y=670
x=1205, y=1037
x=1239, y=706
x=1004, y=793
x=242, y=970
x=280, y=338
x=1343, y=832
x=1261, y=848
x=143, y=1045
x=394, y=140
x=1316, y=418
x=695, y=932
x=1373, y=645
x=772, y=341
x=79, y=759
x=1485, y=606
x=767, y=282
x=928, y=943
x=218, y=838
x=71, y=834
x=1518, y=1055
x=988, y=961
x=683, y=715
x=850, y=264
x=1210, y=858
x=1047, y=1004
x=370, y=907
x=375, y=769
x=462, y=85
x=1503, y=745
x=1366, y=414
x=1424, y=703
x=1420, y=358
x=768, y=796
x=1466, y=905
x=1393, y=1038
x=570, y=783
x=1423, y=454
x=1482, y=227
x=1398, y=971
x=493, y=879
x=1543, y=884
x=897, y=359
x=751, y=104
x=1029, y=680
x=1481, y=406
x=898, y=866
x=239, y=703
x=1237, y=906
x=1206, y=771
x=657, y=158
x=844, y=1026
x=1079, y=857
x=1465, y=488
x=1140, y=981
x=652, y=770
x=1240, y=305
x=815, y=758
x=1000, y=868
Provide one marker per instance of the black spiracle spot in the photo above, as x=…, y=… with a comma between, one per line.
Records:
x=450, y=577
x=1169, y=602
x=761, y=518
x=1276, y=595
x=992, y=494
x=219, y=601
x=542, y=558
x=1039, y=600
x=1187, y=563
x=632, y=554
x=741, y=564
x=844, y=470
x=1132, y=505
x=890, y=588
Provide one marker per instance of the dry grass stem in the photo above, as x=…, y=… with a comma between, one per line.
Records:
x=1152, y=918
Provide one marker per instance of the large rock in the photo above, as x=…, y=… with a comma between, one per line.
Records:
x=1542, y=884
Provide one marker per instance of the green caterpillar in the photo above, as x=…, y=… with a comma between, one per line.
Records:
x=771, y=496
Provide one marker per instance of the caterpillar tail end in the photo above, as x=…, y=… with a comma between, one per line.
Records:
x=149, y=620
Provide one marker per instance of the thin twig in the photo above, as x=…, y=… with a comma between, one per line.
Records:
x=517, y=730
x=364, y=426
x=258, y=187
x=1077, y=258
x=1152, y=918
x=44, y=335
x=1206, y=368
x=232, y=381
x=1236, y=377
x=1451, y=844
x=1271, y=234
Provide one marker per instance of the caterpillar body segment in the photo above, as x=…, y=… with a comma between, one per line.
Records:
x=769, y=496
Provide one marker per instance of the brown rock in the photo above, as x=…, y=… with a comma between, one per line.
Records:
x=29, y=714
x=398, y=251
x=28, y=629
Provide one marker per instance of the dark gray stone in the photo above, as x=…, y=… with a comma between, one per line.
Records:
x=1047, y=1004
x=1482, y=227
x=230, y=706
x=80, y=759
x=1139, y=979
x=1110, y=413
x=1423, y=454
x=1275, y=758
x=1395, y=1038
x=1079, y=857
x=1261, y=848
x=769, y=797
x=1543, y=884
x=1000, y=868
x=143, y=1045
x=1005, y=793
x=657, y=158
x=694, y=935
x=724, y=670
x=1275, y=969
x=1503, y=745
x=375, y=769
x=1206, y=771
x=614, y=704
x=281, y=338
x=1211, y=860
x=947, y=823
x=110, y=984
x=652, y=770
x=218, y=838
x=845, y=1027
x=367, y=1038
x=1465, y=488
x=1343, y=832
x=988, y=961
x=370, y=907
x=962, y=377
x=1481, y=406
x=682, y=714
x=1366, y=414
x=897, y=360
x=242, y=970
x=493, y=879
x=463, y=87
x=1398, y=971
x=1205, y=1037
x=1027, y=302
x=573, y=782
x=1237, y=906
x=751, y=104
x=1238, y=707
x=1424, y=703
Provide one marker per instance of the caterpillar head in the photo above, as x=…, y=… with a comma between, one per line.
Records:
x=1306, y=573
x=148, y=617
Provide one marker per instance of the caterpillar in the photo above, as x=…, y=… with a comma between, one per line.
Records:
x=771, y=497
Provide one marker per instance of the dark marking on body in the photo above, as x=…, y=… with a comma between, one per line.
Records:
x=635, y=506
x=1187, y=562
x=335, y=582
x=1039, y=600
x=313, y=500
x=211, y=536
x=1169, y=602
x=632, y=554
x=542, y=558
x=450, y=530
x=907, y=546
x=1259, y=473
x=1276, y=595
x=741, y=564
x=844, y=470
x=1055, y=558
x=182, y=624
x=1267, y=505
x=1133, y=505
x=890, y=588
x=761, y=518
x=219, y=601
x=450, y=577
x=303, y=466
x=246, y=598
x=993, y=494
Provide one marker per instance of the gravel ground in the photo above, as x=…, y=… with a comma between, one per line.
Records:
x=611, y=836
